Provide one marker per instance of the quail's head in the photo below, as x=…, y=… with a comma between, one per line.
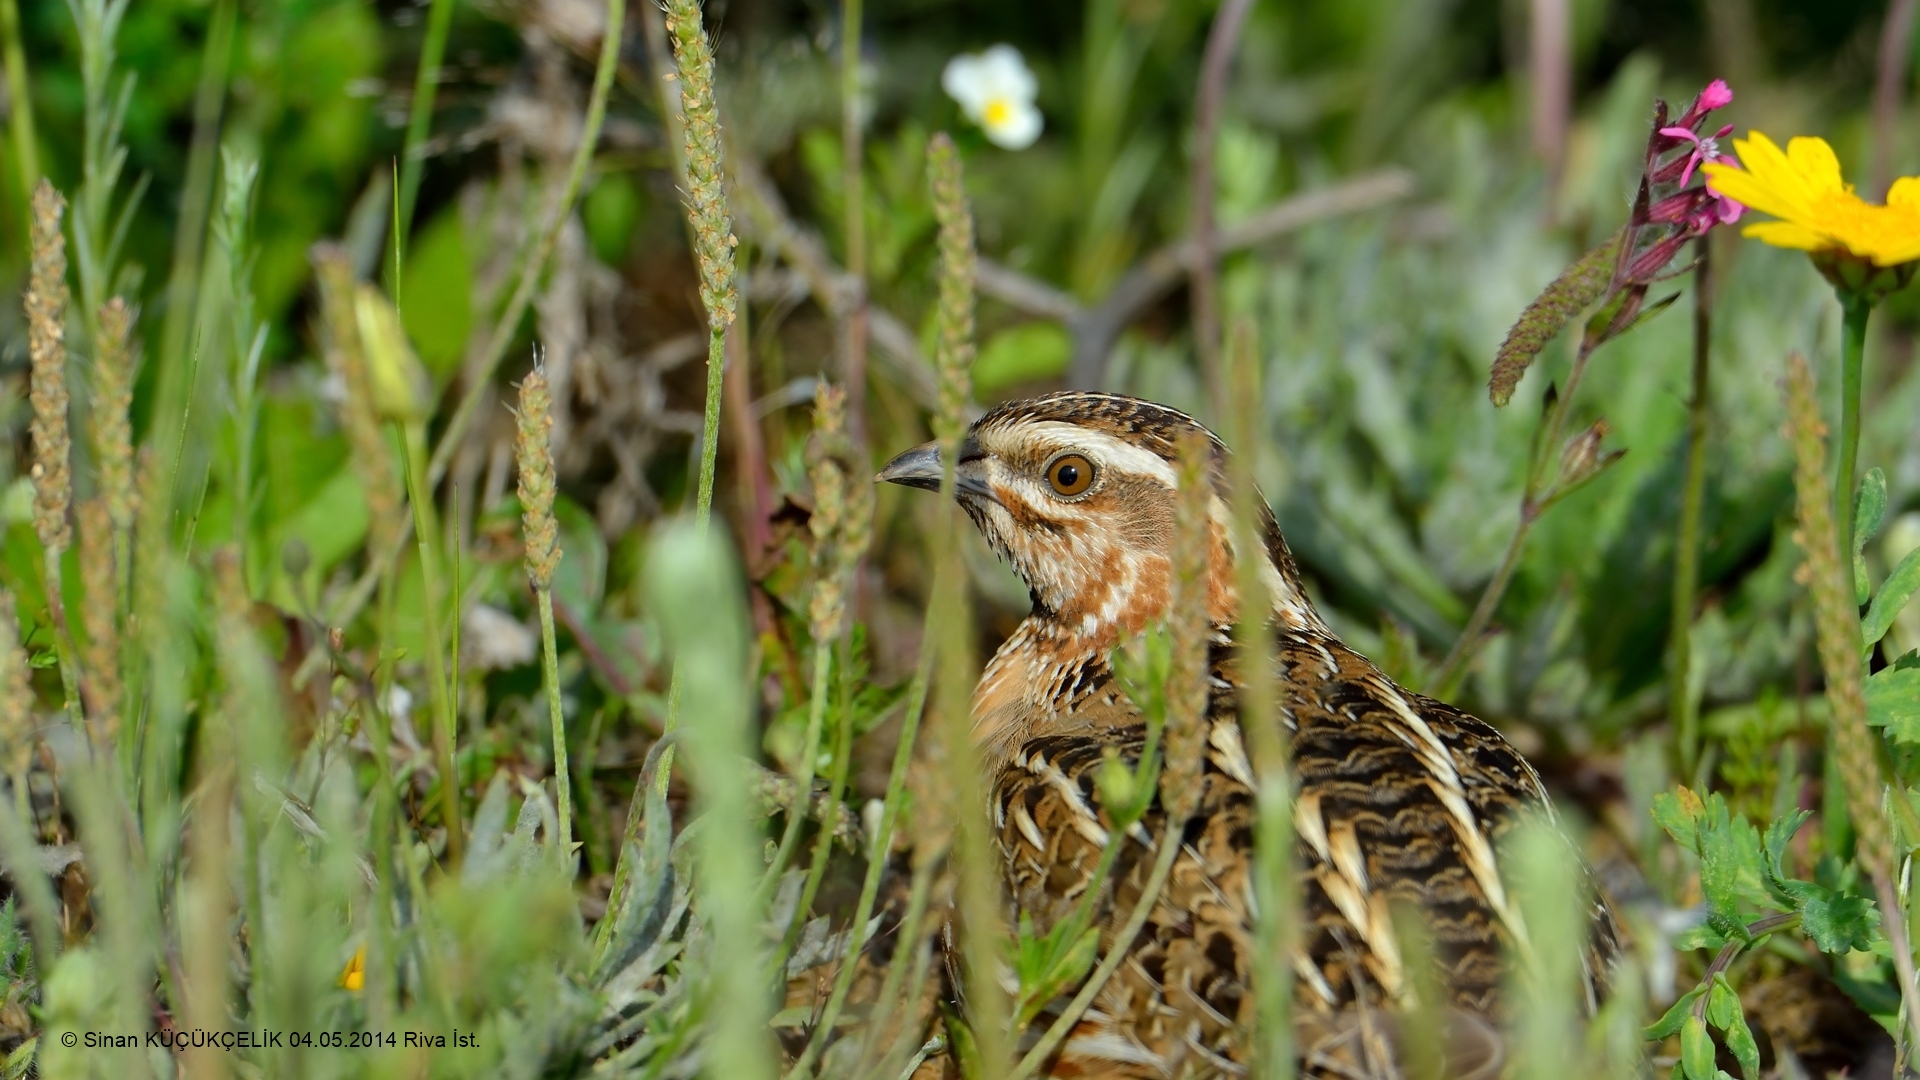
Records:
x=1077, y=492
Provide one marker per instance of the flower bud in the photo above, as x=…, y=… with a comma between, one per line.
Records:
x=1582, y=459
x=401, y=389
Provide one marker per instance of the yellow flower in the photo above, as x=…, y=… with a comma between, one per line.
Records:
x=354, y=977
x=1818, y=211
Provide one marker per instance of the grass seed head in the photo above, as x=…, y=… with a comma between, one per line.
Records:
x=534, y=457
x=111, y=421
x=828, y=522
x=101, y=688
x=713, y=239
x=953, y=334
x=1836, y=621
x=16, y=694
x=1189, y=626
x=47, y=299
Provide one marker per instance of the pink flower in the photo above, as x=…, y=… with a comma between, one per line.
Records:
x=1704, y=149
x=1716, y=96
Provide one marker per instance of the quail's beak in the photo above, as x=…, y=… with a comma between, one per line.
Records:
x=920, y=468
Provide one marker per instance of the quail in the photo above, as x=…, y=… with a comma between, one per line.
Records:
x=1401, y=800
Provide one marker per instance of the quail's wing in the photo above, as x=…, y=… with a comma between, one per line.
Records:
x=1402, y=801
x=1180, y=992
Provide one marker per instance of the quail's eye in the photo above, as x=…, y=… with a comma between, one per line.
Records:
x=1070, y=474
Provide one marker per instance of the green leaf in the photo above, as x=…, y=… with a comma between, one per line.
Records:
x=1696, y=1050
x=611, y=210
x=580, y=581
x=962, y=1045
x=1779, y=834
x=1025, y=353
x=1723, y=1005
x=1577, y=287
x=1892, y=597
x=1869, y=507
x=1142, y=665
x=1836, y=922
x=1701, y=936
x=1676, y=1014
x=436, y=293
x=1733, y=867
x=21, y=1060
x=1893, y=702
x=1641, y=316
x=1735, y=871
x=1051, y=964
x=650, y=886
x=1723, y=1010
x=1678, y=812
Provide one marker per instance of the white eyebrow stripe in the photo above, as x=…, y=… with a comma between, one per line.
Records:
x=1105, y=449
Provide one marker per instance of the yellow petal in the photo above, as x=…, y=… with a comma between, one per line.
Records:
x=1774, y=186
x=1905, y=193
x=1787, y=234
x=1750, y=188
x=1816, y=163
x=354, y=977
x=1896, y=245
x=1894, y=256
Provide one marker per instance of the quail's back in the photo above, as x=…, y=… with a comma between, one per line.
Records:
x=1401, y=801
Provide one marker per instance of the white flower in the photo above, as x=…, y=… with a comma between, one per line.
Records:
x=399, y=703
x=996, y=91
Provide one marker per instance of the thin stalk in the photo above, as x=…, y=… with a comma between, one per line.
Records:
x=1683, y=710
x=932, y=1046
x=1534, y=500
x=980, y=902
x=178, y=361
x=709, y=433
x=19, y=852
x=425, y=531
x=853, y=186
x=1122, y=948
x=26, y=147
x=126, y=923
x=64, y=648
x=702, y=511
x=836, y=789
x=1464, y=647
x=911, y=949
x=426, y=85
x=1222, y=38
x=1853, y=348
x=550, y=670
x=204, y=900
x=480, y=375
x=878, y=845
x=803, y=783
x=382, y=961
x=1275, y=889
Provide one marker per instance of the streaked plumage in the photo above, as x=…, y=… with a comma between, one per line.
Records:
x=1402, y=799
